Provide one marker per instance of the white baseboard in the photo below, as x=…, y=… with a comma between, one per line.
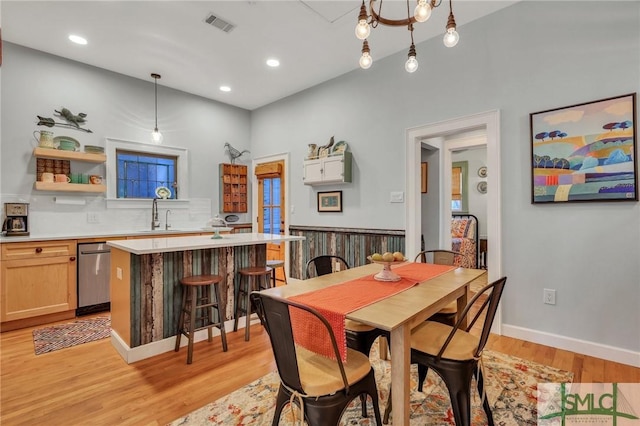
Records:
x=131, y=355
x=610, y=353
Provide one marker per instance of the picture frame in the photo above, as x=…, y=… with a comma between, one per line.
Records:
x=585, y=152
x=424, y=168
x=330, y=201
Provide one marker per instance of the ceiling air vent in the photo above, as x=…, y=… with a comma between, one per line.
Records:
x=219, y=23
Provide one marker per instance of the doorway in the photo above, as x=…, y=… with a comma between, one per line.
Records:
x=489, y=124
x=270, y=205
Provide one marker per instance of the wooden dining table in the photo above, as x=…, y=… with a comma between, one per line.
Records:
x=398, y=314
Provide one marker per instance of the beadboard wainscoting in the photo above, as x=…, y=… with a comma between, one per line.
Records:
x=352, y=244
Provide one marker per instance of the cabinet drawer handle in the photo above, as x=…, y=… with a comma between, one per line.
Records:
x=72, y=258
x=38, y=249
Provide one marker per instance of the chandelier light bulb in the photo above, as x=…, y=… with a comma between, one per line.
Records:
x=411, y=65
x=363, y=29
x=365, y=61
x=451, y=37
x=422, y=11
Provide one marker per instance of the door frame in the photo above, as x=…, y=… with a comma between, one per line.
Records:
x=489, y=122
x=284, y=157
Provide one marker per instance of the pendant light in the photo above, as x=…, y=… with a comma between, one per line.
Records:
x=156, y=136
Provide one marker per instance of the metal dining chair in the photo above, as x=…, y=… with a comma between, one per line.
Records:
x=323, y=386
x=446, y=315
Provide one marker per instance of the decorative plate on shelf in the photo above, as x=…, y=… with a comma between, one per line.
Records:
x=339, y=148
x=163, y=192
x=482, y=172
x=57, y=139
x=231, y=218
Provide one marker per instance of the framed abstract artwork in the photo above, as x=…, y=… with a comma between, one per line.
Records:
x=585, y=152
x=330, y=201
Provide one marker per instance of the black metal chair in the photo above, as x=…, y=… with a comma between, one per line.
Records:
x=453, y=353
x=324, y=386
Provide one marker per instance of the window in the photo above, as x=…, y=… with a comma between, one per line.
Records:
x=138, y=175
x=271, y=205
x=135, y=170
x=459, y=186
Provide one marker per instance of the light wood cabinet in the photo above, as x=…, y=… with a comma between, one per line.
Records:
x=233, y=188
x=56, y=154
x=38, y=278
x=328, y=170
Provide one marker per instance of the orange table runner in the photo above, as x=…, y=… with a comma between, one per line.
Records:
x=336, y=301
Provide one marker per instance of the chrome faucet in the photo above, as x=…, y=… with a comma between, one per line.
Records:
x=155, y=222
x=166, y=220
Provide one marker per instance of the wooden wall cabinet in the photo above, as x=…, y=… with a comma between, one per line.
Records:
x=38, y=278
x=233, y=188
x=328, y=170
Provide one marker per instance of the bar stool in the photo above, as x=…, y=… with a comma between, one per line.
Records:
x=249, y=281
x=192, y=304
x=273, y=264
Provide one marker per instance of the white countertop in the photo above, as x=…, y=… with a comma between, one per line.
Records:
x=171, y=244
x=106, y=234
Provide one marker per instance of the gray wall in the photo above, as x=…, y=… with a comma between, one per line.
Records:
x=525, y=58
x=36, y=83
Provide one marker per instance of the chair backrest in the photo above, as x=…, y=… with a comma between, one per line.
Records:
x=439, y=257
x=489, y=307
x=274, y=312
x=325, y=264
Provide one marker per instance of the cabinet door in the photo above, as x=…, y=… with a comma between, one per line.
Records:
x=333, y=169
x=33, y=287
x=312, y=171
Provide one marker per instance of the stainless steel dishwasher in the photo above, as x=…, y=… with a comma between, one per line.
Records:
x=94, y=262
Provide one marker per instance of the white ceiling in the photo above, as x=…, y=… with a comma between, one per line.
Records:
x=314, y=40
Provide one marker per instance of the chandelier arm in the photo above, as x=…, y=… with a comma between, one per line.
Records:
x=376, y=16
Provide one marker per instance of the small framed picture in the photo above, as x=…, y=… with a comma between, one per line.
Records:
x=423, y=177
x=330, y=201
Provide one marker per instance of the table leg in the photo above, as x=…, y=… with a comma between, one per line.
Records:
x=401, y=362
x=462, y=303
x=382, y=348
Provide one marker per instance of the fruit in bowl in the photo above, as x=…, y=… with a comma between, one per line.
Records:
x=387, y=257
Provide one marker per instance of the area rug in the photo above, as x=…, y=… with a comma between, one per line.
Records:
x=511, y=389
x=49, y=339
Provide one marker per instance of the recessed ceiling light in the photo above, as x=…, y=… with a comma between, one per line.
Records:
x=225, y=88
x=77, y=39
x=273, y=62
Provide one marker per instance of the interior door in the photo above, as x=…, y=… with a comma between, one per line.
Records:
x=271, y=202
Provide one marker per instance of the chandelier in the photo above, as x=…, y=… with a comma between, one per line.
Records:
x=421, y=13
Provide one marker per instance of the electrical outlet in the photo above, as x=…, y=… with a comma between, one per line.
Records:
x=93, y=217
x=119, y=273
x=549, y=296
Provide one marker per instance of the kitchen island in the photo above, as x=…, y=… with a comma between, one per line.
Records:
x=145, y=284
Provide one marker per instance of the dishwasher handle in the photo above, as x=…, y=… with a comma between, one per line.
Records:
x=95, y=251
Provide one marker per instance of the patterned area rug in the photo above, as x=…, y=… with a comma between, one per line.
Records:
x=49, y=339
x=511, y=389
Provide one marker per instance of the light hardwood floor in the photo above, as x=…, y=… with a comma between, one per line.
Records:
x=91, y=385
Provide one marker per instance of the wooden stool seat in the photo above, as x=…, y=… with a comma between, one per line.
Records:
x=249, y=281
x=276, y=263
x=192, y=304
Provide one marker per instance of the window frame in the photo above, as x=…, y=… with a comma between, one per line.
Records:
x=182, y=155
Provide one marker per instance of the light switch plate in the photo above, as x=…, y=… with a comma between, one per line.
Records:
x=397, y=197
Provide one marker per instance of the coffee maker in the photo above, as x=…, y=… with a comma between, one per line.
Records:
x=16, y=221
